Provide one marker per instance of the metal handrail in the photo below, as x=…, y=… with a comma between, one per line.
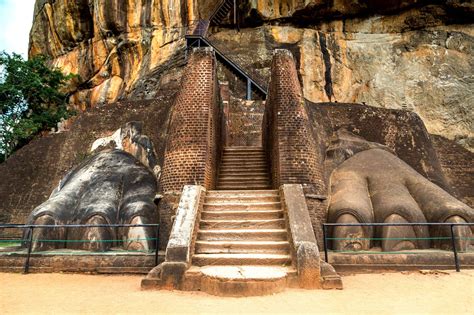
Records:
x=229, y=61
x=31, y=228
x=451, y=225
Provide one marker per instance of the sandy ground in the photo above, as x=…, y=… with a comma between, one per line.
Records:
x=407, y=293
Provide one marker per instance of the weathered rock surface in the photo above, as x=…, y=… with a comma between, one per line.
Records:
x=109, y=44
x=427, y=71
x=395, y=54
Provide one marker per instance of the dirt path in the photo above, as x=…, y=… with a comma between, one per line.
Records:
x=413, y=293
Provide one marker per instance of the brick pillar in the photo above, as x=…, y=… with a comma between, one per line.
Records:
x=193, y=144
x=292, y=146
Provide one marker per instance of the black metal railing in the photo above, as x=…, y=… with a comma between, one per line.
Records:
x=27, y=241
x=451, y=237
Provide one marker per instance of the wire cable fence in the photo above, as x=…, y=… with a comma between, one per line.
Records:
x=10, y=244
x=451, y=237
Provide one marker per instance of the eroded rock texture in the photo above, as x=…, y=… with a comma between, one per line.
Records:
x=407, y=54
x=111, y=45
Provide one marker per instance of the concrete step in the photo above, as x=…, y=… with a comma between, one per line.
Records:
x=241, y=198
x=241, y=259
x=233, y=247
x=243, y=234
x=242, y=206
x=243, y=224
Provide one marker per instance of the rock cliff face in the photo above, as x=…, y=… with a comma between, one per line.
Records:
x=411, y=54
x=109, y=44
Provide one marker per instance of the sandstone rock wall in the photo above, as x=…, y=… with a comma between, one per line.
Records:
x=109, y=44
x=415, y=59
x=411, y=54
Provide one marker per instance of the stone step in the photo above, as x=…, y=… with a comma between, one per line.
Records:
x=241, y=198
x=243, y=169
x=244, y=183
x=237, y=192
x=243, y=234
x=243, y=187
x=242, y=206
x=243, y=149
x=246, y=173
x=239, y=281
x=241, y=259
x=245, y=214
x=237, y=178
x=249, y=163
x=243, y=224
x=222, y=247
x=241, y=158
x=244, y=154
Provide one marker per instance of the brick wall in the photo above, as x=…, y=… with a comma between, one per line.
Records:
x=193, y=146
x=244, y=123
x=293, y=150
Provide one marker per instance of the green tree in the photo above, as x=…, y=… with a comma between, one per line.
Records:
x=31, y=100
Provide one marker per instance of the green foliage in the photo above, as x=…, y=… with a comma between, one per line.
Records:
x=30, y=100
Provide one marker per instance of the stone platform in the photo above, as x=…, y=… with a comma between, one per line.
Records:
x=111, y=262
x=369, y=262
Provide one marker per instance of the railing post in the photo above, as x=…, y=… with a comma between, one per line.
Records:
x=26, y=269
x=249, y=89
x=453, y=241
x=325, y=244
x=156, y=245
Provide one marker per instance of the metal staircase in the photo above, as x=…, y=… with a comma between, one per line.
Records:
x=197, y=37
x=222, y=11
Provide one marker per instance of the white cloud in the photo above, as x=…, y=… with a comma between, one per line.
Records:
x=16, y=17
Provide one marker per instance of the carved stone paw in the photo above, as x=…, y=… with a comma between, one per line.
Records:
x=111, y=187
x=376, y=186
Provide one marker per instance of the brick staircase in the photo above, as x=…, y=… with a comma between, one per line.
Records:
x=242, y=245
x=243, y=168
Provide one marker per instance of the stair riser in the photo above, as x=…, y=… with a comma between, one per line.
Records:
x=263, y=215
x=229, y=248
x=204, y=261
x=243, y=177
x=238, y=236
x=243, y=187
x=255, y=193
x=263, y=224
x=243, y=180
x=243, y=159
x=248, y=206
x=226, y=200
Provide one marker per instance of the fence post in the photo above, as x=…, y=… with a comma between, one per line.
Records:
x=156, y=244
x=325, y=243
x=453, y=241
x=26, y=269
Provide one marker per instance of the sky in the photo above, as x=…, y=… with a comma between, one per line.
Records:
x=16, y=17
